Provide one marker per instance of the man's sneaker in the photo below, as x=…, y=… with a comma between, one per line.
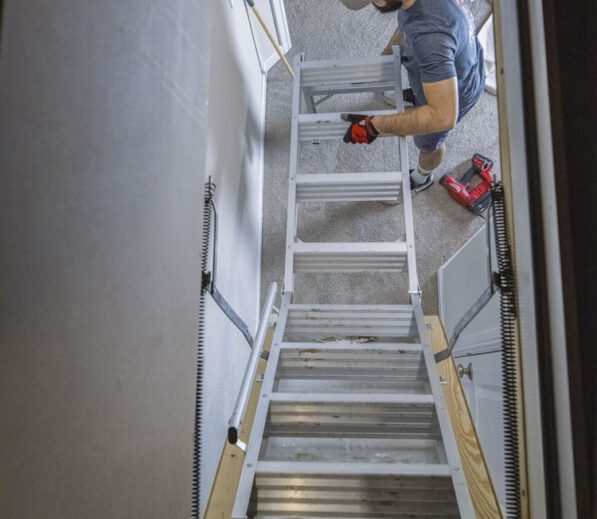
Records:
x=408, y=95
x=415, y=188
x=389, y=97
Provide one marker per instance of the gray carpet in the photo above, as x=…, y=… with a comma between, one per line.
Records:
x=325, y=29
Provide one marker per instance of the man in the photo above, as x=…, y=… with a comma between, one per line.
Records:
x=444, y=61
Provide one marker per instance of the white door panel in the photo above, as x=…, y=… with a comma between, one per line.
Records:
x=274, y=16
x=484, y=396
x=461, y=280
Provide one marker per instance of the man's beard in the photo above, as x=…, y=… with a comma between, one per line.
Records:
x=390, y=5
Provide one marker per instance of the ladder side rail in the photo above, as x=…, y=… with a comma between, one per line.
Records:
x=251, y=369
x=292, y=172
x=463, y=497
x=331, y=63
x=247, y=477
x=413, y=280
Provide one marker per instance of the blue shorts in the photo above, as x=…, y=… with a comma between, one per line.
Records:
x=430, y=141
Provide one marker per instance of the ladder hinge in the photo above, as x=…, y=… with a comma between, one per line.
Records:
x=206, y=281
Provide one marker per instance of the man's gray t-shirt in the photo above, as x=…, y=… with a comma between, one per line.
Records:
x=440, y=43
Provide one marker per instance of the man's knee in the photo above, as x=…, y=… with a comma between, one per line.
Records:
x=431, y=159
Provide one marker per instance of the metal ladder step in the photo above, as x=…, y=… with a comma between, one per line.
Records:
x=365, y=490
x=374, y=74
x=350, y=257
x=348, y=364
x=340, y=416
x=361, y=370
x=354, y=469
x=328, y=125
x=354, y=187
x=349, y=346
x=291, y=490
x=373, y=398
x=316, y=322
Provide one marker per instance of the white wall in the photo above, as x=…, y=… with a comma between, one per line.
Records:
x=104, y=145
x=234, y=160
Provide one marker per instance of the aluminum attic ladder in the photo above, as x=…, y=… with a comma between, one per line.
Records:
x=346, y=428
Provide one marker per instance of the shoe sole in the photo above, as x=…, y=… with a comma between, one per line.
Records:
x=415, y=190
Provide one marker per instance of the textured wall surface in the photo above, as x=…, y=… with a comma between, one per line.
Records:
x=235, y=162
x=104, y=147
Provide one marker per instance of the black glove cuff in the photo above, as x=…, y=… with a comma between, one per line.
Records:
x=370, y=128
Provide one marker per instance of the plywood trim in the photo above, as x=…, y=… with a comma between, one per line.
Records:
x=225, y=485
x=482, y=492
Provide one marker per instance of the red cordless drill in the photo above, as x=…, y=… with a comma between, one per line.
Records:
x=479, y=198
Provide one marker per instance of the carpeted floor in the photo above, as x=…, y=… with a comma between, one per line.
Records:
x=325, y=29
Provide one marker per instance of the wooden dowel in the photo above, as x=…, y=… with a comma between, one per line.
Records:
x=274, y=42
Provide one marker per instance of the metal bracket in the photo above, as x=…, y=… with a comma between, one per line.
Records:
x=208, y=279
x=463, y=323
x=478, y=305
x=231, y=314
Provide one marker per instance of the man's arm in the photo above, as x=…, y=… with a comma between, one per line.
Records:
x=396, y=39
x=439, y=114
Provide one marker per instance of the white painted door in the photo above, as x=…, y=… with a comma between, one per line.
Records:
x=274, y=16
x=461, y=280
x=484, y=395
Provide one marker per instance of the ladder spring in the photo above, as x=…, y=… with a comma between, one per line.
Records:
x=205, y=242
x=509, y=353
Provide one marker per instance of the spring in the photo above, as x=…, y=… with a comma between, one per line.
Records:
x=509, y=353
x=205, y=246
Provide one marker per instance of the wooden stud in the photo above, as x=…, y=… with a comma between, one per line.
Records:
x=225, y=485
x=483, y=496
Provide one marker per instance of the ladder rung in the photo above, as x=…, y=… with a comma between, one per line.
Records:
x=354, y=497
x=351, y=496
x=374, y=469
x=370, y=398
x=372, y=80
x=333, y=187
x=350, y=257
x=376, y=508
x=309, y=322
x=329, y=125
x=341, y=76
x=350, y=87
x=355, y=346
x=312, y=66
x=324, y=346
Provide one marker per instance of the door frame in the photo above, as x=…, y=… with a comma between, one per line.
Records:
x=546, y=450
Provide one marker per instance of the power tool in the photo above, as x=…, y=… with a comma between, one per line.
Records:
x=478, y=199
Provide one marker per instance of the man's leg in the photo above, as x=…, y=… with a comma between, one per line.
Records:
x=432, y=149
x=429, y=160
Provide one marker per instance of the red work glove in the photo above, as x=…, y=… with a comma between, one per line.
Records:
x=361, y=131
